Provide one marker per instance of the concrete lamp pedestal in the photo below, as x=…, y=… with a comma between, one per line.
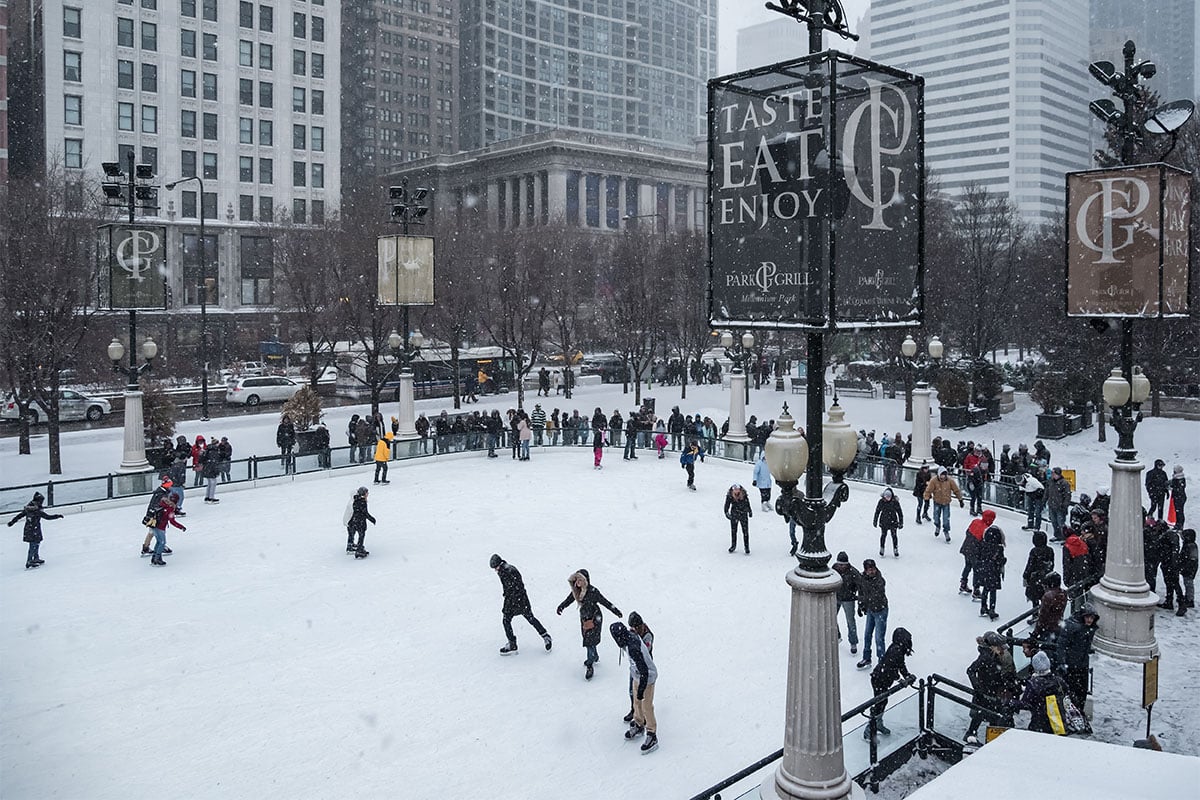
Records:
x=134, y=457
x=408, y=417
x=737, y=408
x=922, y=442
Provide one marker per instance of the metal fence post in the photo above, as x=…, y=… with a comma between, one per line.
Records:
x=49, y=493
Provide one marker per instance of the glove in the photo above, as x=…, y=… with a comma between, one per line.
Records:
x=728, y=515
x=640, y=697
x=618, y=613
x=911, y=680
x=559, y=612
x=183, y=528
x=861, y=613
x=754, y=483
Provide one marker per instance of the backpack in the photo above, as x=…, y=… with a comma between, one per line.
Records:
x=349, y=514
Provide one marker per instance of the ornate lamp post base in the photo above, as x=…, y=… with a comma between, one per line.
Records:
x=737, y=408
x=408, y=417
x=134, y=457
x=922, y=443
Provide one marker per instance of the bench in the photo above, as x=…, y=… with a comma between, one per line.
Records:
x=799, y=385
x=860, y=387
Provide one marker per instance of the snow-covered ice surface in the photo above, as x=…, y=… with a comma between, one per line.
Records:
x=264, y=662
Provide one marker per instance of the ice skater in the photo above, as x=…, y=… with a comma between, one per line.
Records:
x=738, y=512
x=33, y=514
x=762, y=480
x=688, y=458
x=516, y=603
x=164, y=516
x=356, y=519
x=891, y=667
x=889, y=518
x=589, y=599
x=639, y=628
x=598, y=437
x=643, y=675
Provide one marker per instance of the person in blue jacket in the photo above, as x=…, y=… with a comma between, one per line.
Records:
x=762, y=480
x=688, y=458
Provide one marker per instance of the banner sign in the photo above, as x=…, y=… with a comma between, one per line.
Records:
x=405, y=275
x=134, y=256
x=816, y=186
x=1127, y=242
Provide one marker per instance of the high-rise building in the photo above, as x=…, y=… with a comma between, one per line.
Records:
x=1006, y=91
x=1164, y=32
x=593, y=66
x=3, y=99
x=775, y=40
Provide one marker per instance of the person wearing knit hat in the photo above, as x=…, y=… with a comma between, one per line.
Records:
x=1156, y=488
x=847, y=596
x=889, y=518
x=1178, y=487
x=940, y=490
x=1041, y=685
x=990, y=679
x=516, y=603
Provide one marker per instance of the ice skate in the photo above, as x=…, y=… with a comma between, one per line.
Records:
x=651, y=743
x=588, y=673
x=545, y=638
x=509, y=649
x=865, y=663
x=628, y=717
x=896, y=552
x=361, y=553
x=634, y=731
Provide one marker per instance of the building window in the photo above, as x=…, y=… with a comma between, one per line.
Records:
x=124, y=32
x=73, y=109
x=266, y=132
x=210, y=211
x=210, y=127
x=266, y=94
x=124, y=74
x=73, y=153
x=187, y=8
x=298, y=100
x=266, y=18
x=318, y=101
x=246, y=207
x=187, y=163
x=266, y=209
x=266, y=56
x=318, y=65
x=194, y=274
x=210, y=166
x=318, y=139
x=299, y=26
x=318, y=29
x=298, y=59
x=245, y=14
x=245, y=169
x=150, y=158
x=149, y=119
x=72, y=22
x=246, y=91
x=210, y=47
x=210, y=86
x=318, y=212
x=298, y=137
x=256, y=257
x=149, y=36
x=72, y=66
x=245, y=53
x=124, y=152
x=187, y=207
x=124, y=116
x=299, y=173
x=318, y=176
x=245, y=130
x=266, y=170
x=152, y=5
x=187, y=43
x=210, y=10
x=299, y=210
x=149, y=78
x=187, y=124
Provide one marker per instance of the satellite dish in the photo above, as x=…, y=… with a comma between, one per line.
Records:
x=1170, y=117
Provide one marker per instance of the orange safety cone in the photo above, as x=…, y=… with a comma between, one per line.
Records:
x=1171, y=510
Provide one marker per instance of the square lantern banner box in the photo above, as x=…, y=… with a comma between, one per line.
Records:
x=134, y=258
x=405, y=276
x=816, y=180
x=1128, y=240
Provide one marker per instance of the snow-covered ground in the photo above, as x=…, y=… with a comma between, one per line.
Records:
x=264, y=662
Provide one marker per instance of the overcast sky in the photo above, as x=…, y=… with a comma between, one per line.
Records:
x=735, y=14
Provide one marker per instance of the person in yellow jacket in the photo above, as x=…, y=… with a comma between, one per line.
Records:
x=383, y=454
x=940, y=490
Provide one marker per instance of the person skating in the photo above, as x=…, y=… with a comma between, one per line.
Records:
x=992, y=684
x=940, y=490
x=163, y=516
x=688, y=460
x=847, y=596
x=638, y=627
x=168, y=488
x=591, y=619
x=383, y=454
x=738, y=512
x=210, y=470
x=1039, y=564
x=891, y=668
x=1156, y=488
x=598, y=437
x=970, y=551
x=356, y=520
x=762, y=480
x=1035, y=501
x=1074, y=646
x=920, y=481
x=516, y=603
x=872, y=604
x=989, y=567
x=33, y=514
x=643, y=674
x=889, y=518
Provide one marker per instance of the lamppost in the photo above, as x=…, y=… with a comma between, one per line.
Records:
x=1128, y=604
x=917, y=404
x=134, y=459
x=404, y=354
x=203, y=299
x=739, y=389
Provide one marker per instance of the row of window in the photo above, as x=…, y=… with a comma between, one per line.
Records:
x=266, y=135
x=303, y=100
x=302, y=24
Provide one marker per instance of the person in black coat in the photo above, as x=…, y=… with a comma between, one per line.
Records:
x=1044, y=683
x=872, y=604
x=989, y=567
x=591, y=619
x=33, y=515
x=922, y=478
x=1074, y=649
x=1178, y=488
x=285, y=438
x=738, y=511
x=516, y=603
x=1156, y=487
x=1187, y=570
x=1039, y=564
x=356, y=523
x=891, y=667
x=889, y=518
x=847, y=596
x=990, y=682
x=1168, y=548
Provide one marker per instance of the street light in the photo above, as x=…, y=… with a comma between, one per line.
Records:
x=404, y=354
x=916, y=401
x=739, y=388
x=203, y=299
x=134, y=458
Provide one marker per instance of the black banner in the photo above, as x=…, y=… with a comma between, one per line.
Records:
x=135, y=257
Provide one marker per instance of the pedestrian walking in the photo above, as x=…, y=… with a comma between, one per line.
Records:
x=591, y=619
x=993, y=684
x=872, y=604
x=738, y=512
x=33, y=514
x=1039, y=564
x=940, y=490
x=1042, y=685
x=889, y=518
x=892, y=667
x=847, y=596
x=688, y=458
x=762, y=480
x=643, y=674
x=356, y=518
x=516, y=604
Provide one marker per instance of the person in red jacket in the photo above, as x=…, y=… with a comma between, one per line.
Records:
x=970, y=550
x=164, y=516
x=197, y=451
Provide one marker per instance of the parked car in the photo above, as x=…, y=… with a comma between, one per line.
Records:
x=263, y=389
x=72, y=407
x=243, y=369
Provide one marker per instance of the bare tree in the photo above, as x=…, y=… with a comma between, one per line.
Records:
x=570, y=290
x=637, y=290
x=304, y=259
x=685, y=314
x=458, y=271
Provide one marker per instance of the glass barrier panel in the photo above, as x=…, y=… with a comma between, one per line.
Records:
x=13, y=500
x=308, y=463
x=950, y=718
x=89, y=490
x=903, y=719
x=270, y=467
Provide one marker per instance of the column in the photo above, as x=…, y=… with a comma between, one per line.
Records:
x=922, y=445
x=134, y=457
x=737, y=407
x=407, y=417
x=556, y=194
x=493, y=205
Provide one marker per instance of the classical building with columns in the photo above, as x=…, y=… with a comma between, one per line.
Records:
x=594, y=181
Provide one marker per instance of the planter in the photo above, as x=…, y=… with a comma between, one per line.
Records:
x=993, y=408
x=306, y=443
x=157, y=456
x=1074, y=423
x=955, y=417
x=1051, y=426
x=976, y=416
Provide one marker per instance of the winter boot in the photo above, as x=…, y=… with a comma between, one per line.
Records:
x=947, y=537
x=732, y=547
x=1182, y=610
x=853, y=649
x=1167, y=605
x=634, y=731
x=963, y=589
x=651, y=743
x=508, y=649
x=937, y=532
x=881, y=551
x=546, y=639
